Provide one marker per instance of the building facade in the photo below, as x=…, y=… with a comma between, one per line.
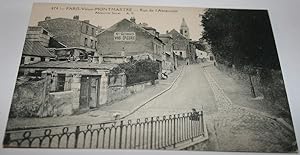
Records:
x=126, y=38
x=171, y=58
x=72, y=32
x=180, y=47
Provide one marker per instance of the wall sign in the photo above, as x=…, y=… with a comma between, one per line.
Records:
x=124, y=36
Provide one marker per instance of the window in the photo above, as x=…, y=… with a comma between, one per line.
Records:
x=92, y=43
x=42, y=58
x=86, y=29
x=85, y=41
x=92, y=31
x=45, y=32
x=95, y=44
x=31, y=59
x=180, y=53
x=60, y=82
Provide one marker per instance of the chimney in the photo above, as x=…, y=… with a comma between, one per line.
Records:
x=132, y=19
x=47, y=18
x=76, y=17
x=87, y=21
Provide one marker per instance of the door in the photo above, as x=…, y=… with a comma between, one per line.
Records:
x=89, y=91
x=84, y=92
x=94, y=92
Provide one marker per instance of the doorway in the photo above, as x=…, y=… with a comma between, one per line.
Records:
x=89, y=92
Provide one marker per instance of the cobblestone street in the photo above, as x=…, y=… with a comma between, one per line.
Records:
x=236, y=128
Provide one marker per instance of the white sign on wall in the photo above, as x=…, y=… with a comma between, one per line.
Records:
x=124, y=36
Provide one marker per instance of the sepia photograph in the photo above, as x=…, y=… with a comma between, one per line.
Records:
x=97, y=76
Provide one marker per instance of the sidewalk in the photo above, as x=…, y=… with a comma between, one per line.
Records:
x=104, y=113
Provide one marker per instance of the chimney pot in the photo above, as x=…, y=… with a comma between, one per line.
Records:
x=132, y=19
x=47, y=18
x=76, y=17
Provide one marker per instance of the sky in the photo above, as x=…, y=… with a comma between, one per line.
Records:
x=160, y=18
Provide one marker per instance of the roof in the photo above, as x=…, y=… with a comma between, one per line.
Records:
x=35, y=48
x=70, y=65
x=174, y=31
x=183, y=23
x=70, y=19
x=165, y=36
x=149, y=28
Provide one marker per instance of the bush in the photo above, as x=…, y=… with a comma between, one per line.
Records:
x=138, y=71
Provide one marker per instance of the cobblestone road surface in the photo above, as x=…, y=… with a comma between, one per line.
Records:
x=235, y=128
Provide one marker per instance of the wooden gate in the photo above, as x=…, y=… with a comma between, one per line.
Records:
x=89, y=91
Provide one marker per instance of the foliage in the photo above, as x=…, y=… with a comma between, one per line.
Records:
x=138, y=71
x=241, y=37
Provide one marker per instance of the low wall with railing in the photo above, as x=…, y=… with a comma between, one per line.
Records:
x=166, y=132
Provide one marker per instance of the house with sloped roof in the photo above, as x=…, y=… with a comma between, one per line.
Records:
x=33, y=52
x=126, y=38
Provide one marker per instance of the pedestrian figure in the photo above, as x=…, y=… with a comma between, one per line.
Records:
x=195, y=116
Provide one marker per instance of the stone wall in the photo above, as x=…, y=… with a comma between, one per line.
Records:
x=28, y=98
x=116, y=93
x=60, y=103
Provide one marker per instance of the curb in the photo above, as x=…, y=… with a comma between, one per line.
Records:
x=153, y=97
x=279, y=120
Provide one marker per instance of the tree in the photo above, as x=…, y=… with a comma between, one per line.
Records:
x=241, y=37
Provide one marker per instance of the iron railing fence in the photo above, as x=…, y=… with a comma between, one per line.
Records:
x=149, y=133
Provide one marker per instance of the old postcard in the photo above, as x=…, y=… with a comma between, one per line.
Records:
x=149, y=77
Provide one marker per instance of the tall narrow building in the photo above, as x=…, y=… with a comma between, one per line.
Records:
x=184, y=29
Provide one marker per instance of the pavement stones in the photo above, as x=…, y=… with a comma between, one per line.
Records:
x=236, y=128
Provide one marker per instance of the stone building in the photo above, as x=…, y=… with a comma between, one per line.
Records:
x=38, y=33
x=33, y=52
x=192, y=56
x=126, y=39
x=180, y=47
x=72, y=32
x=75, y=84
x=183, y=46
x=171, y=58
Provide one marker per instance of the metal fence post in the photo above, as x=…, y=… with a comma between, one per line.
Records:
x=174, y=131
x=151, y=132
x=121, y=130
x=77, y=132
x=202, y=122
x=191, y=133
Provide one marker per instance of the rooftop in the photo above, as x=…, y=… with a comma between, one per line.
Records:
x=71, y=65
x=35, y=48
x=165, y=36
